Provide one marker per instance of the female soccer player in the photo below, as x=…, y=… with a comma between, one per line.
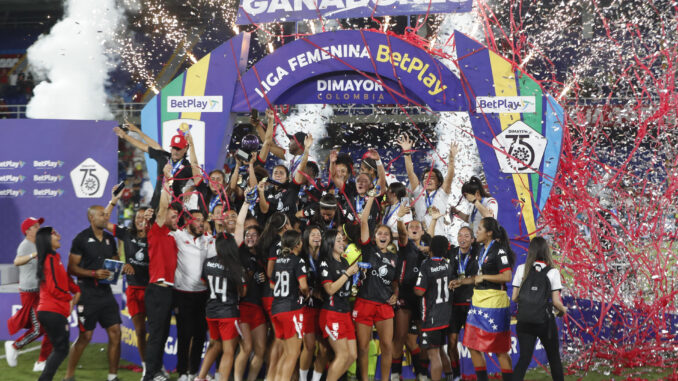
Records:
x=488, y=322
x=289, y=284
x=377, y=295
x=335, y=317
x=483, y=204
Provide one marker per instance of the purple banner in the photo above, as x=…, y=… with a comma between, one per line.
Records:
x=261, y=11
x=374, y=56
x=54, y=169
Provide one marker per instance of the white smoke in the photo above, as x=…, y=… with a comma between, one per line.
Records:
x=456, y=126
x=311, y=119
x=73, y=63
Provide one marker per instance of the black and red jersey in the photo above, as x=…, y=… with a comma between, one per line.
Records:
x=380, y=275
x=223, y=292
x=409, y=260
x=314, y=285
x=287, y=272
x=136, y=255
x=330, y=271
x=434, y=277
x=254, y=268
x=493, y=260
x=463, y=265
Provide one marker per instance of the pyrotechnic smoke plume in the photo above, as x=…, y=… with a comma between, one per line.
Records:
x=72, y=63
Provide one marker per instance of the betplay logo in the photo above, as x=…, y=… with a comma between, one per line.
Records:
x=47, y=164
x=500, y=105
x=10, y=164
x=12, y=179
x=195, y=104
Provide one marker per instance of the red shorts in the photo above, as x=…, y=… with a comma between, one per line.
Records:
x=135, y=300
x=311, y=320
x=223, y=329
x=337, y=325
x=368, y=312
x=288, y=324
x=267, y=302
x=252, y=315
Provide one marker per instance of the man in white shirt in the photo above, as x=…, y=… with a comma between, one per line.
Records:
x=190, y=293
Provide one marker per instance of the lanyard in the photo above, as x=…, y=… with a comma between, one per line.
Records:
x=429, y=199
x=390, y=213
x=295, y=164
x=176, y=167
x=331, y=224
x=311, y=262
x=475, y=210
x=482, y=258
x=359, y=204
x=462, y=268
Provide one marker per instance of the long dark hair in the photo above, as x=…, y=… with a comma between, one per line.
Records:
x=439, y=246
x=499, y=234
x=327, y=245
x=474, y=185
x=289, y=241
x=307, y=234
x=43, y=244
x=274, y=225
x=133, y=230
x=538, y=251
x=229, y=257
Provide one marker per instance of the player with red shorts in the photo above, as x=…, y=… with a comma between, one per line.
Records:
x=225, y=278
x=335, y=316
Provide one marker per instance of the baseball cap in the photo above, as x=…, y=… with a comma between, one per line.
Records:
x=30, y=221
x=299, y=136
x=178, y=142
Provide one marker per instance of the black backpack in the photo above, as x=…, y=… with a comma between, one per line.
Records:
x=534, y=298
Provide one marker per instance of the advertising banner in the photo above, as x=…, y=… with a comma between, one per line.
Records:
x=70, y=167
x=262, y=11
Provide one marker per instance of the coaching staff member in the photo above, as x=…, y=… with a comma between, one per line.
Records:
x=89, y=250
x=162, y=253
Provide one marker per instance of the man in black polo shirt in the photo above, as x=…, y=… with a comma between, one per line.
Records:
x=97, y=305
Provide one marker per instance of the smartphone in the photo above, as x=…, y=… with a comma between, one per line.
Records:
x=119, y=188
x=255, y=114
x=405, y=201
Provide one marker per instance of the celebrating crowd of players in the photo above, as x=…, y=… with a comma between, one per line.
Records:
x=288, y=272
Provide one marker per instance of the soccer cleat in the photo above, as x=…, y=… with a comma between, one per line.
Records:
x=11, y=353
x=39, y=366
x=183, y=377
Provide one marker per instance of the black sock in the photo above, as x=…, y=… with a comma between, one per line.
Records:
x=416, y=363
x=507, y=375
x=423, y=365
x=397, y=366
x=481, y=374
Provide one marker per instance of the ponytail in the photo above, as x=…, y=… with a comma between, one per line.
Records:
x=289, y=241
x=499, y=234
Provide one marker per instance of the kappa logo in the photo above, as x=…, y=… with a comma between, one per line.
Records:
x=12, y=193
x=12, y=179
x=11, y=164
x=47, y=164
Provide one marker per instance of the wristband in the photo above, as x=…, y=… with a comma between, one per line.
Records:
x=345, y=273
x=94, y=274
x=380, y=163
x=407, y=153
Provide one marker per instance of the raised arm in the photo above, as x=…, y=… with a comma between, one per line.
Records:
x=447, y=182
x=195, y=165
x=381, y=173
x=405, y=144
x=129, y=139
x=240, y=223
x=233, y=180
x=109, y=208
x=267, y=136
x=164, y=197
x=263, y=203
x=402, y=230
x=147, y=139
x=364, y=217
x=298, y=176
x=435, y=216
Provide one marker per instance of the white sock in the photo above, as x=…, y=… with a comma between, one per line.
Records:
x=316, y=376
x=303, y=374
x=112, y=376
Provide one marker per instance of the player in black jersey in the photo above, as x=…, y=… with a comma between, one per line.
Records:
x=133, y=241
x=335, y=317
x=268, y=249
x=464, y=261
x=407, y=315
x=377, y=295
x=252, y=317
x=433, y=283
x=225, y=279
x=289, y=285
x=312, y=238
x=488, y=323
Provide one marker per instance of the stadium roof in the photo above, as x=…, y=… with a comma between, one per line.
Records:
x=29, y=5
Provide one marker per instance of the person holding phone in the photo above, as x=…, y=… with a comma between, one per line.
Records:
x=396, y=196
